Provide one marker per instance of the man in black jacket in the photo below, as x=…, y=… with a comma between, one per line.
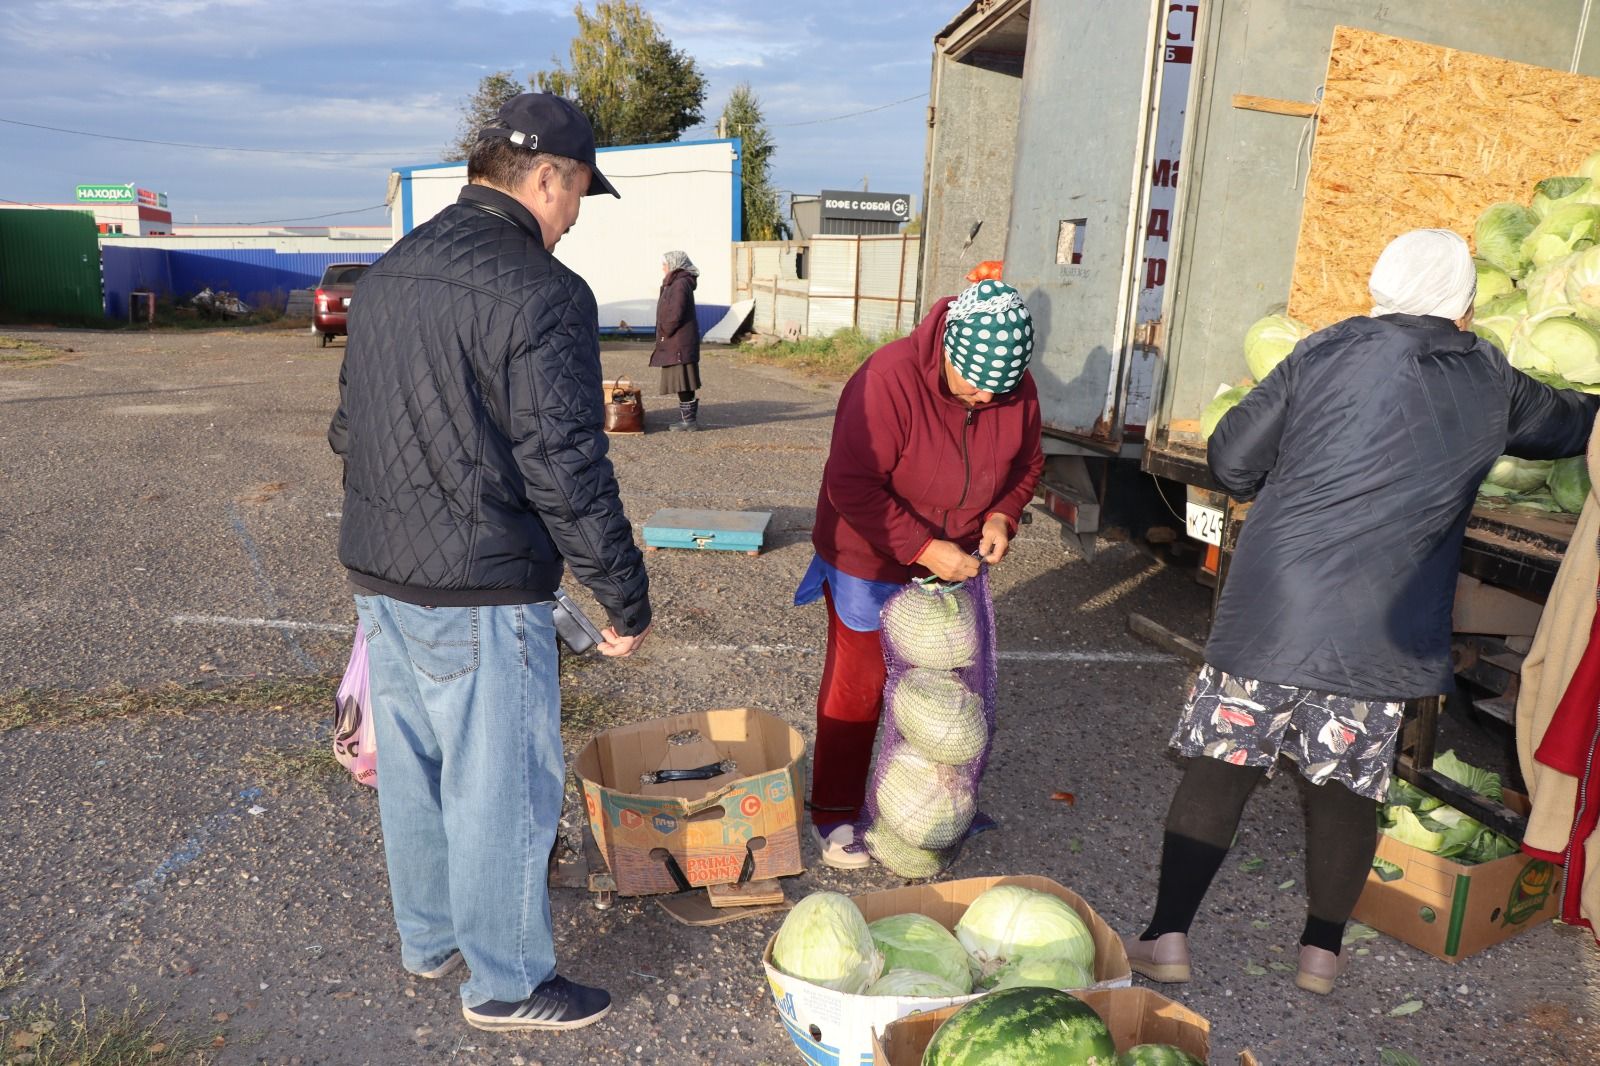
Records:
x=1363, y=451
x=469, y=422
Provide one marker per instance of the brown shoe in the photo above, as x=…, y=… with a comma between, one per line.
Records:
x=1319, y=968
x=1164, y=959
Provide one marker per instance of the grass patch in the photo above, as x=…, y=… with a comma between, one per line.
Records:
x=306, y=766
x=30, y=706
x=834, y=357
x=11, y=972
x=42, y=1035
x=14, y=351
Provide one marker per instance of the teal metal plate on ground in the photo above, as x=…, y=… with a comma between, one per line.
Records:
x=725, y=531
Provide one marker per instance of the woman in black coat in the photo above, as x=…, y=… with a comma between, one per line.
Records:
x=677, y=350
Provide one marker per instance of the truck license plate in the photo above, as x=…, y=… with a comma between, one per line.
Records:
x=1204, y=523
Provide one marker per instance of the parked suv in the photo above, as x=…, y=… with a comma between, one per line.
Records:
x=334, y=291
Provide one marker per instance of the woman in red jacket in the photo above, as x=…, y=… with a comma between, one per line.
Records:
x=935, y=453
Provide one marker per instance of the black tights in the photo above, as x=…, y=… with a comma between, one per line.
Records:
x=686, y=397
x=1341, y=837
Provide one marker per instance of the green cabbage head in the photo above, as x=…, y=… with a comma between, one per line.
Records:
x=914, y=983
x=1567, y=228
x=1518, y=475
x=1492, y=282
x=1569, y=483
x=1559, y=344
x=1220, y=405
x=1499, y=234
x=1553, y=193
x=1484, y=782
x=1583, y=284
x=825, y=941
x=918, y=943
x=1041, y=971
x=1011, y=922
x=1407, y=828
x=1270, y=340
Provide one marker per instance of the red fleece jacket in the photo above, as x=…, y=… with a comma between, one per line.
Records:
x=910, y=463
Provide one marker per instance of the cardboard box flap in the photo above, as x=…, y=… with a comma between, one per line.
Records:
x=756, y=743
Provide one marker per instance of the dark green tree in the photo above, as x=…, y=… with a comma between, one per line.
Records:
x=625, y=75
x=478, y=110
x=742, y=118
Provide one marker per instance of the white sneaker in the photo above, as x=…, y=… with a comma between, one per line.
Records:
x=833, y=848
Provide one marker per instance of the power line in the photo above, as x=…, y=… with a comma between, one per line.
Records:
x=852, y=114
x=203, y=147
x=830, y=118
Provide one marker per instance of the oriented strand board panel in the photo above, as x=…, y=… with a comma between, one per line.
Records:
x=1412, y=135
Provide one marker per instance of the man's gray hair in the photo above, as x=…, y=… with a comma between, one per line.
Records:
x=496, y=161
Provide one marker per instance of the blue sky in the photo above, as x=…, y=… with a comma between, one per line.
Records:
x=376, y=84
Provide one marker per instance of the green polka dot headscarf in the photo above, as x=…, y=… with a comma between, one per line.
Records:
x=988, y=335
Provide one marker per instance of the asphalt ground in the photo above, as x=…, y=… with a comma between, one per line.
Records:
x=169, y=513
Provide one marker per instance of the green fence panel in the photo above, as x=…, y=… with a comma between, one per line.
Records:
x=49, y=265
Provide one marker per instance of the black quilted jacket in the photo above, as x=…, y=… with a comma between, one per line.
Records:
x=1366, y=447
x=469, y=421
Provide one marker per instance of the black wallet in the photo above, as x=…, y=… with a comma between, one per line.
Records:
x=573, y=626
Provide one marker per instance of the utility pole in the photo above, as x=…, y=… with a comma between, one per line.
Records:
x=722, y=128
x=864, y=184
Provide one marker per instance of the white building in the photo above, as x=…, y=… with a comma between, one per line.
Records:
x=686, y=196
x=118, y=210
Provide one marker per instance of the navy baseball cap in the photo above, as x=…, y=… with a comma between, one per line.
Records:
x=544, y=122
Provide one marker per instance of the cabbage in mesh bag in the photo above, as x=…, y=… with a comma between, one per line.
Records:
x=928, y=805
x=939, y=716
x=912, y=863
x=935, y=627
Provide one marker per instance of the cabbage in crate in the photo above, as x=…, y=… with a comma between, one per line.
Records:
x=1565, y=229
x=1492, y=283
x=914, y=983
x=825, y=941
x=1559, y=344
x=939, y=716
x=1041, y=971
x=1499, y=234
x=927, y=804
x=1010, y=922
x=917, y=942
x=1569, y=483
x=932, y=626
x=1519, y=475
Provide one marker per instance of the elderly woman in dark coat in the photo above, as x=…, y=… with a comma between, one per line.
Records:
x=677, y=350
x=1363, y=451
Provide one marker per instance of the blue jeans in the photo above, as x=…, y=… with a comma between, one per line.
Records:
x=467, y=705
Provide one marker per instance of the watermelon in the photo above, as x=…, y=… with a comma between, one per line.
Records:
x=1022, y=1027
x=1157, y=1055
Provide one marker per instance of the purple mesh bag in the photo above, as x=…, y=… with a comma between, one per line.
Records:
x=939, y=645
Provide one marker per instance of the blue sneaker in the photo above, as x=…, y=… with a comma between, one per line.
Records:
x=556, y=1004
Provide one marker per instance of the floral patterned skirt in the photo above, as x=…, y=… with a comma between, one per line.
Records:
x=1251, y=723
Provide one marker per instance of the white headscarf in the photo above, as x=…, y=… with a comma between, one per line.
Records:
x=1424, y=272
x=680, y=261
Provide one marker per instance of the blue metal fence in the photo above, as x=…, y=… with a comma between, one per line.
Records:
x=262, y=278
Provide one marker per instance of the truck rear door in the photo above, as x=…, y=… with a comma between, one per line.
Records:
x=1074, y=249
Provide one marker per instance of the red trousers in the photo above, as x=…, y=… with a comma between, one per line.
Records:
x=849, y=703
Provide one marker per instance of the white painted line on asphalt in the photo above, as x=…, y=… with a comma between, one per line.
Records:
x=1084, y=656
x=259, y=623
x=187, y=853
x=1131, y=657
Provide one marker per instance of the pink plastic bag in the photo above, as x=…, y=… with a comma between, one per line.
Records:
x=355, y=738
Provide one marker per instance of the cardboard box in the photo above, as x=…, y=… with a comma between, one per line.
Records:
x=1134, y=1015
x=835, y=1029
x=1451, y=910
x=707, y=830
